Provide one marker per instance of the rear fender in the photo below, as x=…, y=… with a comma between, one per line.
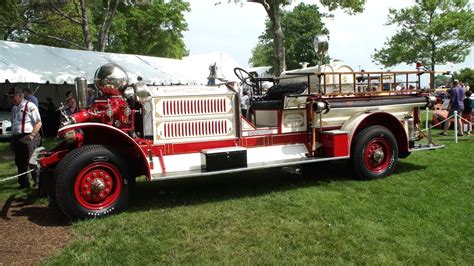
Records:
x=360, y=121
x=97, y=133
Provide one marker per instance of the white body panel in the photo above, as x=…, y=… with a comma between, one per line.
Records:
x=266, y=118
x=337, y=117
x=192, y=161
x=293, y=121
x=191, y=113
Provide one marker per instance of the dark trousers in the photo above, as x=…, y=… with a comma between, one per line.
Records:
x=244, y=112
x=23, y=148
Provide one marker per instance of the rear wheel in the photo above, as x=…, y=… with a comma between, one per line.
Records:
x=91, y=181
x=375, y=153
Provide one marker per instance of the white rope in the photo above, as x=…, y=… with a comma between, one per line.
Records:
x=460, y=117
x=438, y=123
x=469, y=122
x=15, y=176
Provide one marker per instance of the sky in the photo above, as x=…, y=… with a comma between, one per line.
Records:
x=234, y=29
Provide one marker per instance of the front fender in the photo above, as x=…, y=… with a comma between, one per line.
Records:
x=97, y=133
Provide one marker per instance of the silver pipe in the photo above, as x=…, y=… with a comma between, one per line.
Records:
x=81, y=92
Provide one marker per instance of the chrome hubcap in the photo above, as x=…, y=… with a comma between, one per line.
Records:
x=97, y=185
x=378, y=155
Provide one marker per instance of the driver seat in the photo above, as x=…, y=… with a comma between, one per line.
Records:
x=273, y=99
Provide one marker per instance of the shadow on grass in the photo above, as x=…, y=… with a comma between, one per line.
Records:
x=35, y=209
x=405, y=167
x=43, y=215
x=200, y=190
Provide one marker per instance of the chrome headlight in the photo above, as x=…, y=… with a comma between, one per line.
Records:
x=70, y=136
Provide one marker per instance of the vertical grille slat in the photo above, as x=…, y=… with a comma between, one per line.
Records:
x=206, y=128
x=210, y=123
x=201, y=106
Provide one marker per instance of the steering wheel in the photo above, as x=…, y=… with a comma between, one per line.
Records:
x=245, y=77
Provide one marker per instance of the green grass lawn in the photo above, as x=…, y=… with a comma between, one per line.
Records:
x=421, y=214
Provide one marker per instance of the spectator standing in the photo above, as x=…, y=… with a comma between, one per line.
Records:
x=456, y=103
x=30, y=97
x=467, y=112
x=71, y=107
x=50, y=104
x=90, y=98
x=51, y=121
x=68, y=95
x=244, y=103
x=212, y=75
x=26, y=124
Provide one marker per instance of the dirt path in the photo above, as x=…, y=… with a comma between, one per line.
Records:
x=31, y=232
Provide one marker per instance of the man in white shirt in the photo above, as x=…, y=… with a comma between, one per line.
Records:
x=244, y=103
x=26, y=124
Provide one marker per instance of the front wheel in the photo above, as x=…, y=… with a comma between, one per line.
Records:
x=374, y=153
x=91, y=181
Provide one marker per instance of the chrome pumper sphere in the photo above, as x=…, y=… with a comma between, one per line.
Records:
x=321, y=44
x=111, y=79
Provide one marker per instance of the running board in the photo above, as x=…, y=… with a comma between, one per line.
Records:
x=281, y=163
x=426, y=147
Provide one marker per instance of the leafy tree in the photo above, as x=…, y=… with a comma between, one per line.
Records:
x=442, y=80
x=465, y=75
x=150, y=30
x=262, y=53
x=431, y=31
x=10, y=17
x=50, y=27
x=272, y=7
x=299, y=28
x=61, y=23
x=107, y=25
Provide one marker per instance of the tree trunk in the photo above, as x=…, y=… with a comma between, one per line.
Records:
x=105, y=28
x=85, y=26
x=273, y=10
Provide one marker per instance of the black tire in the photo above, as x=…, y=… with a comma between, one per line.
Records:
x=91, y=181
x=374, y=153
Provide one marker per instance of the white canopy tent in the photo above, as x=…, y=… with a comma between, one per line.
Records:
x=28, y=63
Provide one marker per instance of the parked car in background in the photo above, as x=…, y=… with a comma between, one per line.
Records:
x=5, y=125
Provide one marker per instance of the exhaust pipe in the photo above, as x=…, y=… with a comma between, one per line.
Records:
x=81, y=92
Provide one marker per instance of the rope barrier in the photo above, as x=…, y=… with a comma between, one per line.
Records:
x=460, y=117
x=15, y=176
x=435, y=125
x=456, y=116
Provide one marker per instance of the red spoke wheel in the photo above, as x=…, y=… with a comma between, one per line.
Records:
x=374, y=153
x=98, y=186
x=91, y=181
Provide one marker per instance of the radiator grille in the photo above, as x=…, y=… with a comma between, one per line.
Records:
x=203, y=128
x=203, y=106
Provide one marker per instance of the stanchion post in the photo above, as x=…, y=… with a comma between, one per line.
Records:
x=456, y=126
x=430, y=137
x=427, y=117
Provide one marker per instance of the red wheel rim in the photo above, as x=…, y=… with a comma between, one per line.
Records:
x=98, y=186
x=377, y=155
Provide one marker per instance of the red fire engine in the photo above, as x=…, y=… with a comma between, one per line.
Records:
x=176, y=131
